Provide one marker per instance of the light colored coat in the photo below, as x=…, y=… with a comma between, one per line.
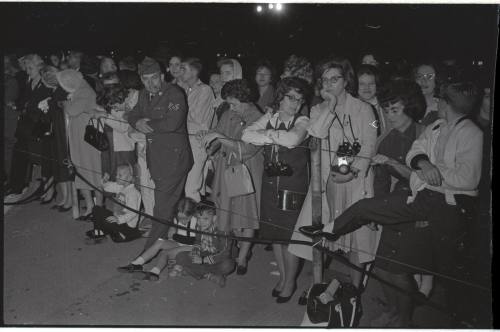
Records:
x=342, y=195
x=84, y=156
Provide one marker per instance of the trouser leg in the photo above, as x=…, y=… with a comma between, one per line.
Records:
x=167, y=194
x=194, y=181
x=20, y=165
x=385, y=210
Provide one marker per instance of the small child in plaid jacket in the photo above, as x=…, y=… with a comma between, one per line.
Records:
x=210, y=257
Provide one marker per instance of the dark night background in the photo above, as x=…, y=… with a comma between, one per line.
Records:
x=465, y=32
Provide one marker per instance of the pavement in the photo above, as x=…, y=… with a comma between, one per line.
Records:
x=52, y=277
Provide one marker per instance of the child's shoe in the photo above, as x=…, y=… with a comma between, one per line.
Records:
x=130, y=268
x=150, y=276
x=176, y=271
x=216, y=278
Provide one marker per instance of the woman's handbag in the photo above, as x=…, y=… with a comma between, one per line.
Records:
x=238, y=178
x=95, y=137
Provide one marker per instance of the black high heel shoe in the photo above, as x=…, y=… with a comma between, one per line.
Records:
x=275, y=293
x=242, y=270
x=285, y=299
x=317, y=230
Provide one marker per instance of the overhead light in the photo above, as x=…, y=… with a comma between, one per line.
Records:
x=259, y=9
x=271, y=6
x=278, y=6
x=218, y=54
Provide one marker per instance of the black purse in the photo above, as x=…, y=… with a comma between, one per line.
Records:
x=95, y=137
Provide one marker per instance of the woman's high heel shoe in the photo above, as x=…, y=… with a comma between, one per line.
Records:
x=285, y=299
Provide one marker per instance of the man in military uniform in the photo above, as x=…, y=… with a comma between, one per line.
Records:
x=160, y=114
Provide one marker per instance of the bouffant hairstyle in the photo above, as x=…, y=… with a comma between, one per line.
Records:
x=238, y=89
x=406, y=91
x=298, y=66
x=264, y=63
x=461, y=96
x=194, y=63
x=369, y=70
x=287, y=84
x=345, y=68
x=187, y=206
x=111, y=95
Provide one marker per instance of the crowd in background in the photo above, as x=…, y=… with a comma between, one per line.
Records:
x=174, y=140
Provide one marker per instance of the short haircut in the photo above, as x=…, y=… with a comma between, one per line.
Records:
x=461, y=96
x=238, y=89
x=111, y=95
x=187, y=206
x=206, y=206
x=194, y=63
x=406, y=91
x=225, y=61
x=345, y=68
x=286, y=85
x=369, y=70
x=126, y=167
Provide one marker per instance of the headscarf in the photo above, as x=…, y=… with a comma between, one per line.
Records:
x=237, y=70
x=70, y=80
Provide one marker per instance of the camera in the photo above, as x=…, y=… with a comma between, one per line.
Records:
x=345, y=157
x=278, y=168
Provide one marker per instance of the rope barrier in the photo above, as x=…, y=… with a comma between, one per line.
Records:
x=323, y=249
x=235, y=140
x=261, y=241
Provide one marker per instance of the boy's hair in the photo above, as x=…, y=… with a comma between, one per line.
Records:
x=194, y=63
x=187, y=206
x=461, y=96
x=125, y=167
x=205, y=206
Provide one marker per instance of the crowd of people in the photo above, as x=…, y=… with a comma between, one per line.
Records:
x=405, y=152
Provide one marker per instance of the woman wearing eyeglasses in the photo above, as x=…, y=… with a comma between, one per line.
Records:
x=425, y=76
x=285, y=177
x=345, y=124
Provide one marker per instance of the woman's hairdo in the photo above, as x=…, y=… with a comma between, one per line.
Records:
x=266, y=64
x=287, y=84
x=369, y=70
x=408, y=93
x=345, y=68
x=238, y=89
x=111, y=95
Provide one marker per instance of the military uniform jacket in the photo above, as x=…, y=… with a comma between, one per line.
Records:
x=168, y=150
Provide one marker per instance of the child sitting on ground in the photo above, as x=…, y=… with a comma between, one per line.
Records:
x=120, y=223
x=210, y=257
x=173, y=242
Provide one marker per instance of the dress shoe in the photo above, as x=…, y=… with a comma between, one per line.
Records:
x=317, y=230
x=150, y=276
x=241, y=270
x=285, y=299
x=88, y=217
x=64, y=209
x=275, y=293
x=130, y=268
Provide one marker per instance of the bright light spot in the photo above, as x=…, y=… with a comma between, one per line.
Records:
x=271, y=6
x=278, y=6
x=480, y=63
x=259, y=9
x=218, y=54
x=239, y=55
